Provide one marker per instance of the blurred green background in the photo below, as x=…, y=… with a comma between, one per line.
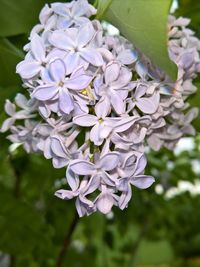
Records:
x=160, y=228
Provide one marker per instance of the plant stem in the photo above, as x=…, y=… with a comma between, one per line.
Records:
x=16, y=193
x=67, y=240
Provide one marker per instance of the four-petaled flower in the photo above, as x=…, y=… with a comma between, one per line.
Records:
x=58, y=86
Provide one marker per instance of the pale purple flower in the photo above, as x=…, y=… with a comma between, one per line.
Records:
x=76, y=41
x=80, y=190
x=74, y=13
x=134, y=177
x=96, y=102
x=35, y=60
x=98, y=170
x=102, y=124
x=58, y=86
x=147, y=104
x=106, y=199
x=10, y=109
x=113, y=87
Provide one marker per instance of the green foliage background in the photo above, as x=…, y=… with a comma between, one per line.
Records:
x=34, y=224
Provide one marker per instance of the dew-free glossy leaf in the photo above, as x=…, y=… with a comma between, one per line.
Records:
x=144, y=23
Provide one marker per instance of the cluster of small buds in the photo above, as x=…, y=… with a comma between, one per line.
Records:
x=95, y=102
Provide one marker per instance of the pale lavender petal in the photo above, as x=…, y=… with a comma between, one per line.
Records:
x=21, y=101
x=59, y=163
x=38, y=48
x=125, y=123
x=64, y=22
x=140, y=91
x=105, y=130
x=92, y=185
x=127, y=56
x=57, y=70
x=10, y=108
x=85, y=34
x=141, y=69
x=72, y=61
x=125, y=197
x=123, y=79
x=95, y=134
x=79, y=82
x=108, y=179
x=65, y=194
x=7, y=124
x=117, y=103
x=82, y=167
x=112, y=72
x=58, y=148
x=45, y=92
x=84, y=206
x=191, y=115
x=103, y=108
x=92, y=56
x=61, y=40
x=81, y=208
x=66, y=103
x=44, y=111
x=148, y=105
x=142, y=181
x=62, y=9
x=154, y=142
x=140, y=164
x=72, y=179
x=28, y=69
x=105, y=202
x=85, y=120
x=109, y=161
x=47, y=148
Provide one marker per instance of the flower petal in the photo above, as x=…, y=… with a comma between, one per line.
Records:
x=7, y=124
x=140, y=164
x=78, y=82
x=72, y=61
x=85, y=34
x=85, y=120
x=45, y=92
x=72, y=179
x=105, y=202
x=103, y=107
x=37, y=47
x=58, y=148
x=57, y=70
x=125, y=197
x=95, y=134
x=9, y=108
x=27, y=69
x=66, y=103
x=65, y=194
x=61, y=40
x=117, y=102
x=112, y=72
x=142, y=181
x=82, y=167
x=92, y=56
x=127, y=56
x=149, y=105
x=109, y=161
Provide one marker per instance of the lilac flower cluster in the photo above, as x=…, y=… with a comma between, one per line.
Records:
x=94, y=102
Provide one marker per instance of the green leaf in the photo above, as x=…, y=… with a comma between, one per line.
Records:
x=144, y=23
x=9, y=57
x=190, y=9
x=102, y=6
x=18, y=16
